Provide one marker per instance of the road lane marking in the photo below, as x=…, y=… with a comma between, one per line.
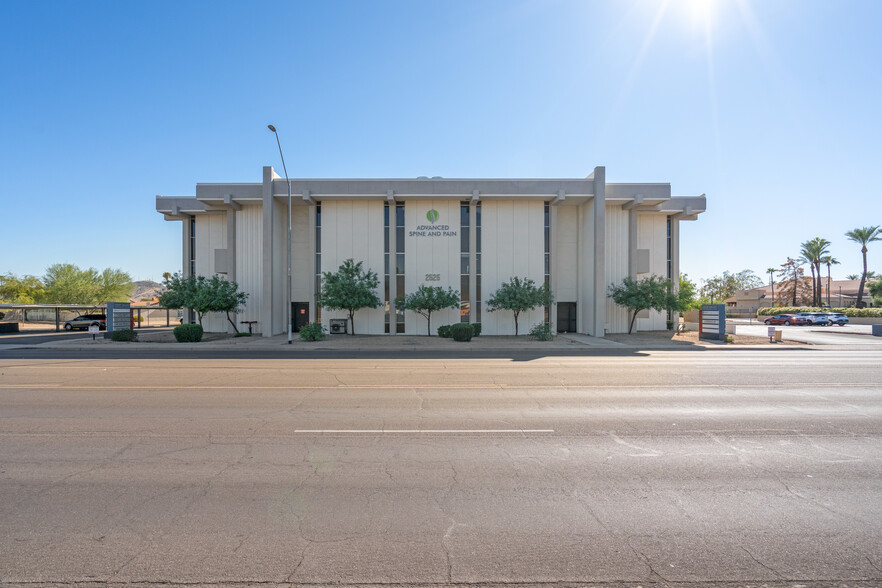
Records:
x=429, y=431
x=478, y=386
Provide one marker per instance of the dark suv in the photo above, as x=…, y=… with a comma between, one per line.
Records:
x=84, y=321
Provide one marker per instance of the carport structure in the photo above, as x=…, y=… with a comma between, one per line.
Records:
x=55, y=311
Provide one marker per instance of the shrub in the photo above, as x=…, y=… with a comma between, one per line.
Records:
x=461, y=332
x=189, y=333
x=670, y=324
x=542, y=332
x=444, y=331
x=242, y=335
x=313, y=332
x=124, y=335
x=476, y=327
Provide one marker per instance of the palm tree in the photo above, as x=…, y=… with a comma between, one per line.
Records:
x=812, y=251
x=829, y=260
x=864, y=236
x=772, y=271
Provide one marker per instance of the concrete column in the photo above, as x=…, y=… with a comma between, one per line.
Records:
x=583, y=265
x=266, y=294
x=393, y=260
x=599, y=251
x=231, y=253
x=185, y=270
x=675, y=252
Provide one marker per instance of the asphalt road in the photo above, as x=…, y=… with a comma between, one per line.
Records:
x=657, y=468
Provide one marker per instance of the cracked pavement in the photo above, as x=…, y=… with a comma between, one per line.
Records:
x=664, y=469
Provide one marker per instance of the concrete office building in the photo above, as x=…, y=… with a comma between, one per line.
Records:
x=579, y=235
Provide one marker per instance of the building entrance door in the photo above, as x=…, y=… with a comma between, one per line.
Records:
x=566, y=317
x=299, y=315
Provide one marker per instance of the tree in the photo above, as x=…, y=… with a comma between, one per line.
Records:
x=772, y=271
x=224, y=296
x=794, y=286
x=349, y=288
x=876, y=292
x=203, y=295
x=68, y=284
x=686, y=294
x=829, y=260
x=652, y=293
x=864, y=236
x=812, y=251
x=518, y=295
x=428, y=299
x=23, y=290
x=724, y=286
x=870, y=276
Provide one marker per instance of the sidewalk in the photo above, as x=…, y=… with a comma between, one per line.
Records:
x=563, y=341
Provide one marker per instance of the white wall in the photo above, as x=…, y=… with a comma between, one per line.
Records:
x=211, y=232
x=616, y=265
x=431, y=255
x=302, y=255
x=354, y=229
x=512, y=244
x=565, y=254
x=249, y=259
x=652, y=234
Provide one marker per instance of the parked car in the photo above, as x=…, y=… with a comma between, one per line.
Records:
x=815, y=318
x=786, y=320
x=84, y=321
x=837, y=318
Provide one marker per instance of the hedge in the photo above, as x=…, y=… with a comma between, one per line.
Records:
x=461, y=332
x=188, y=333
x=851, y=311
x=124, y=335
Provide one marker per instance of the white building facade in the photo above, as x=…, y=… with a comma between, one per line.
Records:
x=578, y=235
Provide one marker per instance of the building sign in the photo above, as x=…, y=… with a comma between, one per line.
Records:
x=118, y=316
x=712, y=324
x=433, y=229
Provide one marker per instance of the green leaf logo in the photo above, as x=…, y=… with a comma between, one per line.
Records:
x=432, y=215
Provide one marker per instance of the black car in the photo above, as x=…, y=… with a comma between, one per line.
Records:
x=84, y=321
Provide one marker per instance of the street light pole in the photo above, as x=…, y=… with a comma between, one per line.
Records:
x=288, y=304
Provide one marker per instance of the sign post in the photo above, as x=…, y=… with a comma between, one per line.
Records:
x=93, y=330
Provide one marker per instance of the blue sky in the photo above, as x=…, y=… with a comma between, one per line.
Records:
x=769, y=107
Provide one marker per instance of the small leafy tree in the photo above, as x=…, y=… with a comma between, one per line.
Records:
x=203, y=295
x=350, y=288
x=518, y=295
x=864, y=236
x=652, y=293
x=224, y=296
x=428, y=299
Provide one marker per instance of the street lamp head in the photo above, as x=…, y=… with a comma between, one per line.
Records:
x=271, y=127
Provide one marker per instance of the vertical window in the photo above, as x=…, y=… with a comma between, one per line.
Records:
x=193, y=245
x=670, y=258
x=399, y=263
x=464, y=225
x=547, y=255
x=476, y=312
x=318, y=259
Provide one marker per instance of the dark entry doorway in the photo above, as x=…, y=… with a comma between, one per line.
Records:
x=299, y=315
x=566, y=317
